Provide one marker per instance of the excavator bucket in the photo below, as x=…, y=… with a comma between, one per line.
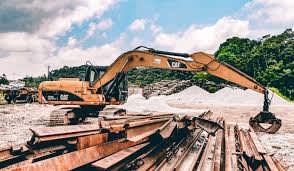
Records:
x=265, y=121
x=272, y=123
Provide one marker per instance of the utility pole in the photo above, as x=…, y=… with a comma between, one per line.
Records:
x=48, y=74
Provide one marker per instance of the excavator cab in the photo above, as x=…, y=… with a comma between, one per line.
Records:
x=94, y=73
x=117, y=88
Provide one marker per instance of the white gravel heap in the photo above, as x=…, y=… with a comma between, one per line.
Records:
x=137, y=103
x=225, y=96
x=197, y=95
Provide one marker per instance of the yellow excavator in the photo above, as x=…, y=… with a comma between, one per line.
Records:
x=108, y=85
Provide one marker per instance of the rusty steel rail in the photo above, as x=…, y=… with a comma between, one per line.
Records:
x=144, y=142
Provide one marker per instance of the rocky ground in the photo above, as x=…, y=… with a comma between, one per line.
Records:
x=15, y=121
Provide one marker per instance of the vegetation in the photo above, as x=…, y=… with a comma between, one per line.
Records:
x=147, y=76
x=276, y=91
x=34, y=81
x=269, y=60
x=3, y=79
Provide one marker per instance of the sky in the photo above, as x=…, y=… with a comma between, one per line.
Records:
x=35, y=34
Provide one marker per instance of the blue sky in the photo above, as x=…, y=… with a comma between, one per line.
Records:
x=37, y=34
x=172, y=15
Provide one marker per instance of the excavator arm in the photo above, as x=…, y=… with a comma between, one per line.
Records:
x=198, y=61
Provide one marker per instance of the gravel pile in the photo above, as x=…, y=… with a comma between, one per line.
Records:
x=138, y=103
x=168, y=87
x=197, y=95
x=225, y=96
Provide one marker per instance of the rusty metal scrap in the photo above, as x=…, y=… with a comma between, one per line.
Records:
x=143, y=142
x=63, y=132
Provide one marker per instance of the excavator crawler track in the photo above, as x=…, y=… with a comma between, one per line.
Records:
x=58, y=117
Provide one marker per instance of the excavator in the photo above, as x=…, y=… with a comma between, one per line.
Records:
x=108, y=85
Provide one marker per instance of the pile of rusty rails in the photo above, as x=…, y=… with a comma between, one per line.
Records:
x=143, y=142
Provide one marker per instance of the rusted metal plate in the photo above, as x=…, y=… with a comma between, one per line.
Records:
x=79, y=158
x=228, y=146
x=231, y=144
x=184, y=161
x=65, y=136
x=107, y=124
x=208, y=125
x=257, y=143
x=218, y=151
x=108, y=162
x=279, y=165
x=207, y=156
x=61, y=130
x=140, y=131
x=193, y=158
x=145, y=122
x=49, y=149
x=270, y=163
x=91, y=140
x=5, y=153
x=167, y=129
x=252, y=147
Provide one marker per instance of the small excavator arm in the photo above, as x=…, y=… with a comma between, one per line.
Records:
x=198, y=61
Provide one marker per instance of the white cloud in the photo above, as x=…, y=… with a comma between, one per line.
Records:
x=138, y=25
x=103, y=25
x=24, y=42
x=30, y=63
x=71, y=42
x=271, y=11
x=155, y=28
x=66, y=18
x=98, y=55
x=20, y=64
x=136, y=41
x=205, y=38
x=29, y=48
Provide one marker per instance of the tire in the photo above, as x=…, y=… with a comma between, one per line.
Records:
x=8, y=99
x=29, y=99
x=14, y=100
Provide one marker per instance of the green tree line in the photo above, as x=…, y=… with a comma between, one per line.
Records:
x=269, y=60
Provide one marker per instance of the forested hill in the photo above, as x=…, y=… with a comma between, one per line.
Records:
x=269, y=60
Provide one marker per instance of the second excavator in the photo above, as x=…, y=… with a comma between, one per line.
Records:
x=108, y=85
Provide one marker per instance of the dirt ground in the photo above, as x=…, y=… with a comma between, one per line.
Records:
x=15, y=121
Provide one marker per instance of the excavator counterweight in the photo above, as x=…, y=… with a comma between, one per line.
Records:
x=110, y=86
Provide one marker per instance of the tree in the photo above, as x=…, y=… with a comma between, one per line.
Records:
x=3, y=79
